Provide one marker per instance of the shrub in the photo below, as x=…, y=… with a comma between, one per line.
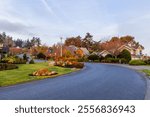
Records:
x=58, y=63
x=31, y=61
x=6, y=66
x=111, y=60
x=83, y=59
x=69, y=64
x=78, y=65
x=126, y=55
x=43, y=72
x=101, y=58
x=41, y=56
x=13, y=60
x=123, y=61
x=137, y=62
x=147, y=62
x=109, y=56
x=93, y=57
x=25, y=57
x=69, y=59
x=19, y=61
x=115, y=60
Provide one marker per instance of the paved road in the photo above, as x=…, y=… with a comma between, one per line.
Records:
x=96, y=81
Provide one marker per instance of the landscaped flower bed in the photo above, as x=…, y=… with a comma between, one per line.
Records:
x=24, y=73
x=44, y=72
x=69, y=64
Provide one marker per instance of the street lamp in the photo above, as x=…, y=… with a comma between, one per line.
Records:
x=61, y=46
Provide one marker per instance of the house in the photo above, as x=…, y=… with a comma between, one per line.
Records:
x=4, y=50
x=134, y=49
x=71, y=49
x=104, y=53
x=15, y=50
x=85, y=51
x=145, y=57
x=1, y=46
x=74, y=48
x=82, y=52
x=94, y=53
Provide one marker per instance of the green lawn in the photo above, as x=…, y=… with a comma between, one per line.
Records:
x=20, y=75
x=146, y=71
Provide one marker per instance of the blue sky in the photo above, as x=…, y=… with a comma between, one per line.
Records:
x=52, y=19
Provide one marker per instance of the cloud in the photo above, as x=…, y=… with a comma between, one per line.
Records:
x=47, y=6
x=50, y=19
x=6, y=25
x=16, y=30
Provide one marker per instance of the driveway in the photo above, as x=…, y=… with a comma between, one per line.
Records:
x=94, y=82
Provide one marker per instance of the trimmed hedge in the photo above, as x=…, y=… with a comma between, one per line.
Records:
x=6, y=66
x=137, y=62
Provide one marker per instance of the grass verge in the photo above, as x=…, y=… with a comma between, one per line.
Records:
x=146, y=71
x=21, y=75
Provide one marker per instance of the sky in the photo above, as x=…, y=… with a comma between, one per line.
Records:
x=52, y=19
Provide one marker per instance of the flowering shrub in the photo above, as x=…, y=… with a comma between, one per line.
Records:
x=78, y=65
x=43, y=72
x=69, y=64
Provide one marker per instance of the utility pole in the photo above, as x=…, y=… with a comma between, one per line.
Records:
x=61, y=46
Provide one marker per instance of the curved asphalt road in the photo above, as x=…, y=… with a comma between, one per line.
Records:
x=96, y=81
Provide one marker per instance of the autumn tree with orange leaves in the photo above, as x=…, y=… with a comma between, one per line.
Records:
x=116, y=42
x=76, y=41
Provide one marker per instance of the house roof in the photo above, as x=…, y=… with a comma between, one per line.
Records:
x=126, y=47
x=85, y=51
x=15, y=50
x=130, y=47
x=135, y=45
x=74, y=48
x=95, y=53
x=71, y=49
x=104, y=52
x=1, y=45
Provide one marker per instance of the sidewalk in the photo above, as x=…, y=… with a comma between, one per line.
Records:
x=135, y=67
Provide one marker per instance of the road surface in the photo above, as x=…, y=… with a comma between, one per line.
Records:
x=94, y=82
